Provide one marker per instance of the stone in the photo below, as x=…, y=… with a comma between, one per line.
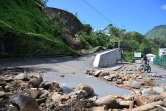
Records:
x=41, y=100
x=11, y=108
x=65, y=97
x=7, y=88
x=80, y=94
x=23, y=85
x=119, y=81
x=25, y=103
x=158, y=89
x=97, y=73
x=109, y=101
x=35, y=82
x=56, y=97
x=35, y=93
x=125, y=104
x=103, y=73
x=21, y=76
x=89, y=90
x=93, y=98
x=44, y=94
x=147, y=91
x=100, y=108
x=2, y=93
x=1, y=88
x=136, y=85
x=108, y=78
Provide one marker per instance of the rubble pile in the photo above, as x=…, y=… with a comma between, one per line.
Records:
x=145, y=89
x=21, y=91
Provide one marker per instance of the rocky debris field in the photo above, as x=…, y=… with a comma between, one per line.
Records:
x=22, y=91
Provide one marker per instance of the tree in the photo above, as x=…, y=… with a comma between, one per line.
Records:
x=44, y=2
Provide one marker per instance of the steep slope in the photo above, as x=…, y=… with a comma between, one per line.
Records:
x=26, y=31
x=158, y=35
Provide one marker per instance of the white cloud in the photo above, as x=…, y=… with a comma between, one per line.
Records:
x=164, y=7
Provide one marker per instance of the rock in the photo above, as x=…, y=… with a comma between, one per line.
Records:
x=65, y=97
x=12, y=109
x=160, y=108
x=2, y=94
x=164, y=86
x=41, y=100
x=51, y=86
x=44, y=94
x=25, y=103
x=21, y=76
x=24, y=85
x=80, y=94
x=163, y=95
x=103, y=73
x=35, y=82
x=125, y=104
x=35, y=93
x=93, y=98
x=119, y=81
x=89, y=90
x=147, y=91
x=56, y=97
x=108, y=78
x=7, y=88
x=136, y=85
x=128, y=69
x=109, y=101
x=158, y=89
x=1, y=88
x=101, y=108
x=97, y=73
x=140, y=77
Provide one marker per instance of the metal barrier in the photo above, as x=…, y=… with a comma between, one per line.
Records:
x=160, y=61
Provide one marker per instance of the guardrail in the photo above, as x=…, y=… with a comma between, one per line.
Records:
x=160, y=61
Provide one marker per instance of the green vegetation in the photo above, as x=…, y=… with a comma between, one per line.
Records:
x=109, y=38
x=158, y=35
x=26, y=31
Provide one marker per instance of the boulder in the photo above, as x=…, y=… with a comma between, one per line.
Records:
x=136, y=85
x=109, y=101
x=125, y=104
x=103, y=73
x=119, y=81
x=158, y=89
x=21, y=76
x=25, y=103
x=35, y=82
x=89, y=90
x=96, y=73
x=100, y=108
x=56, y=98
x=147, y=91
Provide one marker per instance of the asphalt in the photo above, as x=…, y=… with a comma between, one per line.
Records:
x=73, y=70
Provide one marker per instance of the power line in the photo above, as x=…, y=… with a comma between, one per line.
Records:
x=99, y=13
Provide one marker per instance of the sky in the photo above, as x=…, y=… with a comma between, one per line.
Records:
x=132, y=15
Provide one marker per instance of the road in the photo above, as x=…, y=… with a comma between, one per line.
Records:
x=73, y=70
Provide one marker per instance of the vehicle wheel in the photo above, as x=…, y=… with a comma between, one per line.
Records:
x=149, y=69
x=141, y=68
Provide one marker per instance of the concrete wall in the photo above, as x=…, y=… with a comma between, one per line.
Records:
x=107, y=58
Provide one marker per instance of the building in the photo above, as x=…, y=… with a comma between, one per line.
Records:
x=162, y=51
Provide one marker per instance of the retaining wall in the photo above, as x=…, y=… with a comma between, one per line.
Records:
x=107, y=58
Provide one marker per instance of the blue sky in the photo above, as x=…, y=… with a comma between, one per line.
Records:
x=132, y=15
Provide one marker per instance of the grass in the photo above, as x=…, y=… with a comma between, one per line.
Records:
x=26, y=31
